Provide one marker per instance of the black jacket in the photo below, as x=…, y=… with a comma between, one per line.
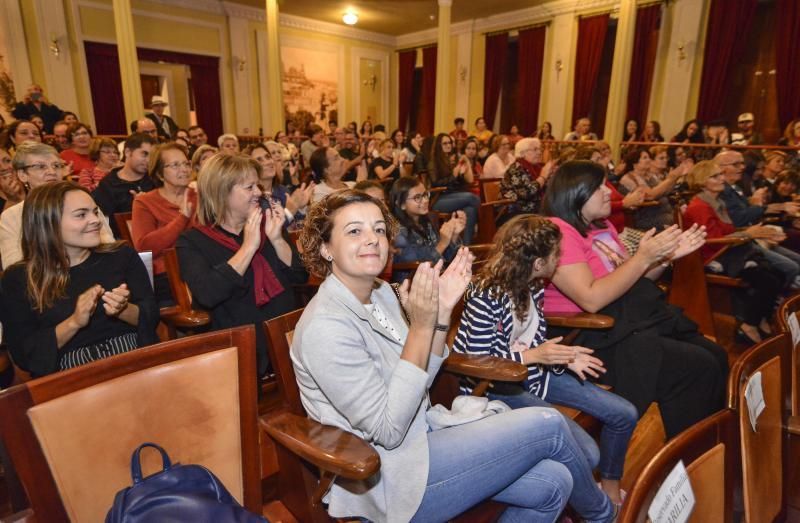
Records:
x=113, y=195
x=173, y=127
x=50, y=114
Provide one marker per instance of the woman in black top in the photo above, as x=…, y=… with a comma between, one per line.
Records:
x=446, y=170
x=73, y=300
x=385, y=166
x=236, y=261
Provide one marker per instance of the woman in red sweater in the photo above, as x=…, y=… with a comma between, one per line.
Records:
x=79, y=137
x=161, y=215
x=754, y=305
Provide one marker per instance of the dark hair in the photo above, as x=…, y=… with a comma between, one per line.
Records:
x=478, y=119
x=632, y=157
x=695, y=138
x=365, y=185
x=319, y=223
x=570, y=188
x=509, y=267
x=193, y=128
x=656, y=130
x=439, y=164
x=319, y=162
x=253, y=146
x=313, y=129
x=64, y=114
x=397, y=198
x=458, y=120
x=136, y=140
x=380, y=128
x=74, y=128
x=625, y=130
x=155, y=167
x=393, y=138
x=9, y=132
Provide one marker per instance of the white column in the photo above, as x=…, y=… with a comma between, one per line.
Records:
x=241, y=65
x=620, y=71
x=442, y=67
x=128, y=61
x=274, y=99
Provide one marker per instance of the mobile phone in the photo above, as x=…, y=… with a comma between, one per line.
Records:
x=265, y=203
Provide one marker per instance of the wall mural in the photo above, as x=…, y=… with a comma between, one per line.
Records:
x=7, y=96
x=310, y=87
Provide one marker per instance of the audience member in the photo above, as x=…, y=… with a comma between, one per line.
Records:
x=413, y=146
x=11, y=189
x=417, y=239
x=638, y=174
x=513, y=135
x=362, y=366
x=235, y=261
x=500, y=160
x=38, y=122
x=691, y=132
x=545, y=131
x=717, y=133
x=470, y=152
x=145, y=126
x=747, y=134
x=228, y=144
x=653, y=352
x=582, y=131
x=36, y=103
x=116, y=191
x=631, y=133
x=481, y=132
x=103, y=152
x=166, y=126
x=366, y=129
x=18, y=132
x=161, y=215
x=652, y=132
x=314, y=142
x=458, y=134
x=791, y=135
x=373, y=188
x=35, y=164
x=328, y=169
x=455, y=176
x=503, y=317
x=79, y=138
x=754, y=305
x=525, y=180
x=774, y=163
x=70, y=117
x=61, y=142
x=294, y=203
x=387, y=166
x=73, y=299
x=197, y=137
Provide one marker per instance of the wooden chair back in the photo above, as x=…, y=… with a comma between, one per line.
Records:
x=709, y=452
x=689, y=291
x=70, y=435
x=492, y=207
x=183, y=315
x=763, y=449
x=124, y=221
x=789, y=307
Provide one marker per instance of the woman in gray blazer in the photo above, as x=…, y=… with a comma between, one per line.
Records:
x=364, y=364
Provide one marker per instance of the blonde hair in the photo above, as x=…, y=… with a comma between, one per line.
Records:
x=98, y=144
x=198, y=154
x=215, y=182
x=701, y=172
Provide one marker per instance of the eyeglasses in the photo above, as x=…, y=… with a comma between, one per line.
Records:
x=421, y=197
x=40, y=168
x=177, y=165
x=80, y=133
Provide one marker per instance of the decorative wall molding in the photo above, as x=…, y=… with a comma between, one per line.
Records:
x=356, y=54
x=428, y=36
x=17, y=58
x=56, y=53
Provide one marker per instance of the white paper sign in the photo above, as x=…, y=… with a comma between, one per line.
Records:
x=754, y=395
x=794, y=327
x=674, y=501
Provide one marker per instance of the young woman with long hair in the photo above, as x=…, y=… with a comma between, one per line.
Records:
x=73, y=300
x=503, y=317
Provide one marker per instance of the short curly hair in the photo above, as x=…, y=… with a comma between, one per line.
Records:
x=509, y=267
x=319, y=224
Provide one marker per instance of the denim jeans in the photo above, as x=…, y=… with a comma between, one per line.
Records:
x=617, y=414
x=464, y=201
x=784, y=260
x=526, y=458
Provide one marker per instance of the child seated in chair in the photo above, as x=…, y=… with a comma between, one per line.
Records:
x=503, y=317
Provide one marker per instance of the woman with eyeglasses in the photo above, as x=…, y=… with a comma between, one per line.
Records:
x=11, y=189
x=161, y=215
x=79, y=138
x=73, y=298
x=454, y=174
x=35, y=164
x=418, y=239
x=501, y=158
x=105, y=155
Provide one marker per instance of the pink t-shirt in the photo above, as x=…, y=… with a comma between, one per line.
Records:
x=601, y=250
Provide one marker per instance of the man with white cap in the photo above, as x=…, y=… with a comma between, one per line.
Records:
x=165, y=125
x=747, y=134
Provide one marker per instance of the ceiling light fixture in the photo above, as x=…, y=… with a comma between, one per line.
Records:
x=350, y=18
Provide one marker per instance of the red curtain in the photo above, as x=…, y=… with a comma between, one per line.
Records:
x=529, y=70
x=102, y=61
x=727, y=35
x=645, y=43
x=428, y=98
x=105, y=84
x=787, y=65
x=591, y=38
x=408, y=59
x=495, y=72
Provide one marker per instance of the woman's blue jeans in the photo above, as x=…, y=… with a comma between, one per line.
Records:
x=464, y=201
x=617, y=414
x=526, y=458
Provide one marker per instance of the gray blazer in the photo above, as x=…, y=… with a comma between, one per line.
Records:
x=351, y=376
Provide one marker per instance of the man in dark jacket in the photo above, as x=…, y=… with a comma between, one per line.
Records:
x=36, y=104
x=165, y=125
x=116, y=191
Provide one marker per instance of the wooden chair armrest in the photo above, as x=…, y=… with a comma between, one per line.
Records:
x=185, y=319
x=331, y=449
x=726, y=240
x=793, y=425
x=646, y=203
x=725, y=281
x=579, y=320
x=502, y=201
x=485, y=367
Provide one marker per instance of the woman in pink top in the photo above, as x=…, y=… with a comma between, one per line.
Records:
x=653, y=352
x=79, y=138
x=161, y=215
x=105, y=155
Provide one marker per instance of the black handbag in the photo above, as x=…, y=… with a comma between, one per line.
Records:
x=178, y=493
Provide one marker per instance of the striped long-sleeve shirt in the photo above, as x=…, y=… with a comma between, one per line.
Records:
x=486, y=328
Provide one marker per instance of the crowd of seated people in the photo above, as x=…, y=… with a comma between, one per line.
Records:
x=360, y=197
